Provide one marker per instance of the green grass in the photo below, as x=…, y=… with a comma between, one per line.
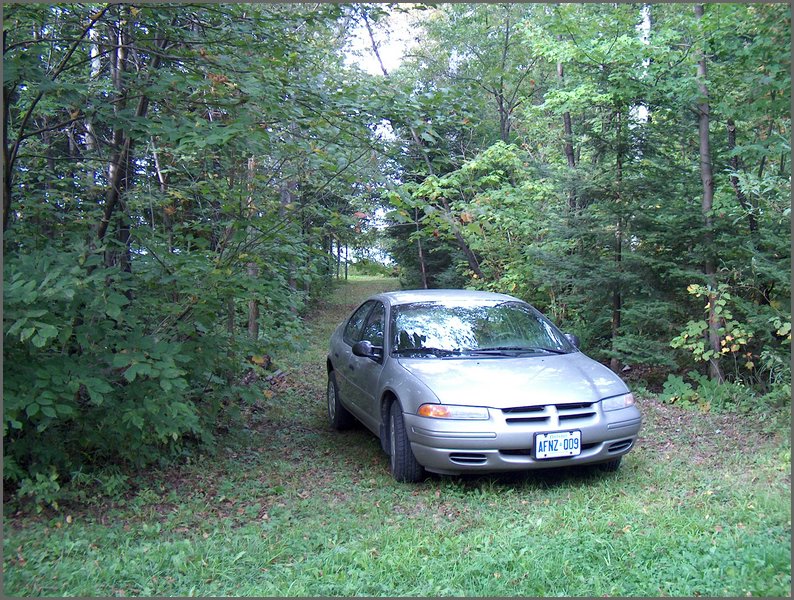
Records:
x=290, y=508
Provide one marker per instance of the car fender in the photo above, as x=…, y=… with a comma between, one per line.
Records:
x=399, y=384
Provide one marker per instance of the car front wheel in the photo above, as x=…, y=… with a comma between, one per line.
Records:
x=404, y=467
x=338, y=415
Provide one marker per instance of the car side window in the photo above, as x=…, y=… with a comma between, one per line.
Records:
x=373, y=330
x=356, y=322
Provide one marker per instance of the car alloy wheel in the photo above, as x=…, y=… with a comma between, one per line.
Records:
x=338, y=416
x=331, y=400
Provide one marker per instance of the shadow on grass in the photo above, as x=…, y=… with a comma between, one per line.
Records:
x=548, y=478
x=360, y=448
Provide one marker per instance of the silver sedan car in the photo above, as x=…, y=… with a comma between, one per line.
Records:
x=456, y=381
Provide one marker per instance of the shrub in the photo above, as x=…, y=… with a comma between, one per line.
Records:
x=101, y=368
x=707, y=395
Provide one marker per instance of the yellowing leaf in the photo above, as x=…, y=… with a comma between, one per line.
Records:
x=258, y=359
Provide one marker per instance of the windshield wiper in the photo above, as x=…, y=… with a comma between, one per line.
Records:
x=440, y=352
x=508, y=350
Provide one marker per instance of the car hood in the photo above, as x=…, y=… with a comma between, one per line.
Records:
x=511, y=382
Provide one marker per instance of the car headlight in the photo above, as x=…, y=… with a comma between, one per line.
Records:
x=448, y=411
x=622, y=401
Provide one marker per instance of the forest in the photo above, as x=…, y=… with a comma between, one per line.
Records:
x=183, y=183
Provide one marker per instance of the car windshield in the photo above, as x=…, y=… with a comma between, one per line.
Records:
x=441, y=330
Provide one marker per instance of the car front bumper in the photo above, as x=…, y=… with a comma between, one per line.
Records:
x=505, y=442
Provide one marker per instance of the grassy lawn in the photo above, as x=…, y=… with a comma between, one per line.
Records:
x=287, y=507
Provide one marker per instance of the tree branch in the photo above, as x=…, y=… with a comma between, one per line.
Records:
x=96, y=17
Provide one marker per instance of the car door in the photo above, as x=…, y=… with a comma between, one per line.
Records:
x=343, y=354
x=365, y=372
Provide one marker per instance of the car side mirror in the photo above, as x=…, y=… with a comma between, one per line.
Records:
x=574, y=339
x=365, y=349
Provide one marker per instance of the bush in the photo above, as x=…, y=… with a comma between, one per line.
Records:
x=371, y=268
x=104, y=368
x=707, y=395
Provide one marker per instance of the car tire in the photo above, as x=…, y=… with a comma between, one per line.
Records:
x=403, y=464
x=611, y=466
x=338, y=416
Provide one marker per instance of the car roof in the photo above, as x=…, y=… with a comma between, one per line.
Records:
x=441, y=295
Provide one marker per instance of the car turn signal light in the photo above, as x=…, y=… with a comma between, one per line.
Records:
x=447, y=411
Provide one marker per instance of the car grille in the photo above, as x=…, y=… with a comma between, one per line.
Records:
x=542, y=414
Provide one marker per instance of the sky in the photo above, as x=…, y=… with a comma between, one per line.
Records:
x=393, y=37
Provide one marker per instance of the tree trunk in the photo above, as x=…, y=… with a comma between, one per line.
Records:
x=252, y=267
x=119, y=168
x=338, y=258
x=471, y=258
x=743, y=201
x=330, y=265
x=91, y=139
x=7, y=167
x=169, y=210
x=617, y=297
x=287, y=194
x=422, y=265
x=502, y=106
x=617, y=292
x=707, y=179
x=768, y=133
x=253, y=307
x=568, y=137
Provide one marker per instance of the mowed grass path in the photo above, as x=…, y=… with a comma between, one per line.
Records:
x=288, y=507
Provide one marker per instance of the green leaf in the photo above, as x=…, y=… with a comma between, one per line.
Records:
x=113, y=311
x=137, y=369
x=17, y=326
x=44, y=333
x=122, y=359
x=39, y=341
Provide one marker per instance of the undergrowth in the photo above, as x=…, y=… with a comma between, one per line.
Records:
x=287, y=507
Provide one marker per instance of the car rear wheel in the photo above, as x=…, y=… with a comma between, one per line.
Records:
x=404, y=467
x=338, y=415
x=611, y=466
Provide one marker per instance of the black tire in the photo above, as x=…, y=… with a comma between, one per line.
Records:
x=610, y=466
x=402, y=461
x=338, y=416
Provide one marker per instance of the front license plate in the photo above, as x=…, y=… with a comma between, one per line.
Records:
x=557, y=444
